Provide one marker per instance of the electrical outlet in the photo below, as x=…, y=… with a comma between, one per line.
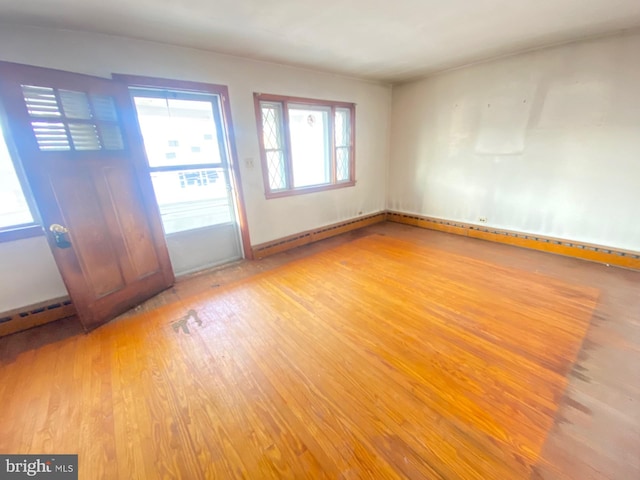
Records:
x=248, y=162
x=483, y=219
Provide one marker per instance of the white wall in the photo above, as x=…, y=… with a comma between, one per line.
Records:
x=268, y=219
x=546, y=142
x=29, y=274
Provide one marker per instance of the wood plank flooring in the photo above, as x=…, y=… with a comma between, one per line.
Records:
x=390, y=353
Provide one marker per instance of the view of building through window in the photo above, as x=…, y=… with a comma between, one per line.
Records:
x=188, y=175
x=14, y=209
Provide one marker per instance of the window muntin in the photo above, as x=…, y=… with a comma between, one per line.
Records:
x=306, y=145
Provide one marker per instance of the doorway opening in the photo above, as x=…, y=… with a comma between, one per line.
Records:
x=187, y=145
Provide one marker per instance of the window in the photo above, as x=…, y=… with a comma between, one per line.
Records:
x=15, y=212
x=306, y=145
x=187, y=156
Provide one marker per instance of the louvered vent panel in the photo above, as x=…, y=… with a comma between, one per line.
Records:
x=104, y=108
x=85, y=122
x=111, y=136
x=41, y=101
x=75, y=105
x=84, y=136
x=51, y=136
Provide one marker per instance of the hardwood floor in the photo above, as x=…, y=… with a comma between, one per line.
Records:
x=391, y=352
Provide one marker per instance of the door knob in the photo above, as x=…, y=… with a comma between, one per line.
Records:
x=60, y=235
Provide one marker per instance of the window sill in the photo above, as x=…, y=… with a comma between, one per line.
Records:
x=19, y=233
x=313, y=189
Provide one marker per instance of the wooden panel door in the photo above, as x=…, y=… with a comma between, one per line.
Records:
x=81, y=150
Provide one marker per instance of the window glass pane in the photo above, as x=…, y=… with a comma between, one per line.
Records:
x=191, y=199
x=14, y=209
x=273, y=144
x=343, y=127
x=310, y=146
x=342, y=163
x=178, y=132
x=272, y=125
x=275, y=164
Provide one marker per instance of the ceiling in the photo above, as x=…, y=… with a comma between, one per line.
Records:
x=382, y=40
